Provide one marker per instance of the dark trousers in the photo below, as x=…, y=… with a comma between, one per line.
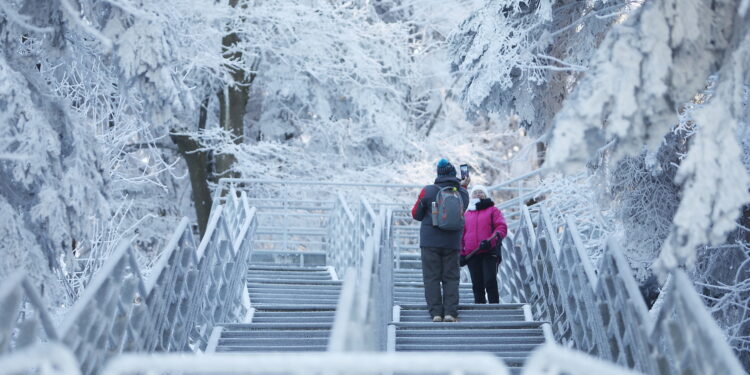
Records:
x=440, y=266
x=483, y=270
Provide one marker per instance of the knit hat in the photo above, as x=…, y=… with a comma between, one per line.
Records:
x=445, y=168
x=481, y=188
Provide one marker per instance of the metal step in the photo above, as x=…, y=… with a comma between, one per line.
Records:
x=312, y=294
x=264, y=267
x=332, y=289
x=461, y=332
x=291, y=275
x=469, y=306
x=470, y=318
x=293, y=319
x=512, y=350
x=281, y=348
x=489, y=340
x=465, y=325
x=272, y=341
x=277, y=333
x=300, y=302
x=279, y=281
x=295, y=307
x=294, y=310
x=294, y=313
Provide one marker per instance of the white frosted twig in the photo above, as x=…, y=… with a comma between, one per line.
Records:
x=71, y=12
x=22, y=20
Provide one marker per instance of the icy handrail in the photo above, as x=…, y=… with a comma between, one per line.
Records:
x=41, y=359
x=551, y=359
x=310, y=363
x=340, y=251
x=359, y=322
x=604, y=314
x=190, y=290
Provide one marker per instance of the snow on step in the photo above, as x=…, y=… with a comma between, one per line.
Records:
x=294, y=311
x=500, y=329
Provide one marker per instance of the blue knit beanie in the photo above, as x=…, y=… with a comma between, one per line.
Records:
x=445, y=168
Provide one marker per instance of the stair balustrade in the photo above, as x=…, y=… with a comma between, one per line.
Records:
x=602, y=312
x=596, y=310
x=189, y=290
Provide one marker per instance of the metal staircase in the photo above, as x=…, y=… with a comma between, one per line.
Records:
x=293, y=310
x=505, y=330
x=195, y=299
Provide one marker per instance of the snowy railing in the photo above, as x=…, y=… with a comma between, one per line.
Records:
x=515, y=192
x=366, y=294
x=341, y=252
x=604, y=314
x=291, y=231
x=188, y=292
x=40, y=359
x=549, y=359
x=310, y=363
x=294, y=214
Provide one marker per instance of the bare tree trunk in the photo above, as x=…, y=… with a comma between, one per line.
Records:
x=197, y=163
x=232, y=103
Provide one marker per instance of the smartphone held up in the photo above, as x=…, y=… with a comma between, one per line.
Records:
x=464, y=168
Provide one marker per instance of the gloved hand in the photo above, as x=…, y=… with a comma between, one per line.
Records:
x=462, y=260
x=484, y=245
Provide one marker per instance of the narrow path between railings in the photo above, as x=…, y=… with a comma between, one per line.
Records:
x=293, y=310
x=505, y=330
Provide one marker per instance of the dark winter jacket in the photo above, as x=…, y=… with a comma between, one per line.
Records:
x=481, y=224
x=430, y=236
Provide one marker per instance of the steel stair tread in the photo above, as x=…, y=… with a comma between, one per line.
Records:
x=272, y=349
x=519, y=332
x=257, y=281
x=270, y=307
x=280, y=333
x=489, y=340
x=466, y=325
x=258, y=267
x=471, y=306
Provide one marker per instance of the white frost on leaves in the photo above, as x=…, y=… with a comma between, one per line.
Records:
x=661, y=56
x=51, y=196
x=714, y=176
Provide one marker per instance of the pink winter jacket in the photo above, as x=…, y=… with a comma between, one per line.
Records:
x=480, y=225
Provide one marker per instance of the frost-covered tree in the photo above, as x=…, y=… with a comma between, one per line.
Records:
x=54, y=183
x=523, y=57
x=126, y=78
x=345, y=82
x=654, y=104
x=664, y=55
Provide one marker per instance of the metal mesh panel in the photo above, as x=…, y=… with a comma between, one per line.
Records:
x=189, y=291
x=604, y=314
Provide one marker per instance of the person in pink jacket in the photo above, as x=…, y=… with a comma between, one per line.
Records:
x=484, y=229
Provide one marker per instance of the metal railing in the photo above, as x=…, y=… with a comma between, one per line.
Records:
x=603, y=313
x=513, y=194
x=362, y=312
x=547, y=360
x=188, y=292
x=295, y=215
x=191, y=289
x=310, y=363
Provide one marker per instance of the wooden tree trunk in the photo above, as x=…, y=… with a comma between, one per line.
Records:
x=198, y=164
x=232, y=103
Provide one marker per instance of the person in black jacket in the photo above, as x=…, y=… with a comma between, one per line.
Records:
x=440, y=248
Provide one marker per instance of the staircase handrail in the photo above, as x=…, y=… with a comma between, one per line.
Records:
x=188, y=292
x=603, y=313
x=364, y=363
x=340, y=252
x=359, y=322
